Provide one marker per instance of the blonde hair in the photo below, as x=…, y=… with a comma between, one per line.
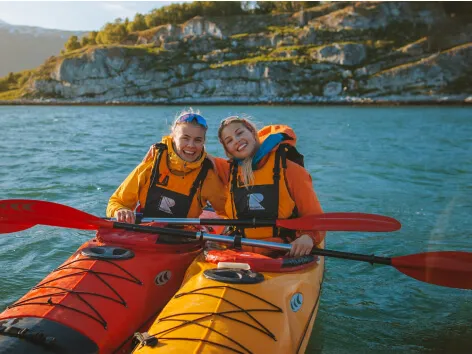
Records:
x=246, y=164
x=176, y=122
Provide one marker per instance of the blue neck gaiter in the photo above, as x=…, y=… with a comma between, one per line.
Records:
x=267, y=146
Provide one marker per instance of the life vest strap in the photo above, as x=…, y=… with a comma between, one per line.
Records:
x=160, y=147
x=206, y=166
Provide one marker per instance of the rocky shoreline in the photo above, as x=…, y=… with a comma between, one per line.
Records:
x=363, y=53
x=454, y=100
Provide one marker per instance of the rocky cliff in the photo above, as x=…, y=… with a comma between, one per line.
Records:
x=335, y=52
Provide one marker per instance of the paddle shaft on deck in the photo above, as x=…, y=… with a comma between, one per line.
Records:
x=197, y=221
x=252, y=242
x=200, y=235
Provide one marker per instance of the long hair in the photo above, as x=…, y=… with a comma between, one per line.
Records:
x=246, y=164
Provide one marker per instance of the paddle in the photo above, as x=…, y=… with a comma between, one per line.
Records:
x=322, y=222
x=7, y=227
x=447, y=268
x=450, y=269
x=31, y=212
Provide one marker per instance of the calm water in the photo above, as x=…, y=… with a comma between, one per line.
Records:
x=411, y=163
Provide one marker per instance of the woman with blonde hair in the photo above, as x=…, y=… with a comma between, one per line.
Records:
x=177, y=182
x=265, y=179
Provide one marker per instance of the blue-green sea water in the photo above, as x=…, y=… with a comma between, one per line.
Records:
x=411, y=163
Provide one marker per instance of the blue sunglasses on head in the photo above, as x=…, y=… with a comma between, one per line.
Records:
x=190, y=117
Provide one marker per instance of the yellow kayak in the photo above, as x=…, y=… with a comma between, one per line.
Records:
x=239, y=302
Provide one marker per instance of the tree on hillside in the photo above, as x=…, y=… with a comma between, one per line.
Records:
x=178, y=13
x=112, y=32
x=220, y=8
x=264, y=7
x=138, y=24
x=84, y=41
x=11, y=79
x=72, y=43
x=172, y=14
x=92, y=37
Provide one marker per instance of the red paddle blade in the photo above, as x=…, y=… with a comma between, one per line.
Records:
x=449, y=268
x=34, y=212
x=355, y=215
x=342, y=222
x=6, y=227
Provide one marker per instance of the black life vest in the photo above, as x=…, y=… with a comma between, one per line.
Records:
x=162, y=202
x=261, y=201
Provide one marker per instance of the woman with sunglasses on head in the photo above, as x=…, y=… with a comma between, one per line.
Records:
x=262, y=182
x=177, y=182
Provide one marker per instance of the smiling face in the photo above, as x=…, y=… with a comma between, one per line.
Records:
x=238, y=140
x=189, y=140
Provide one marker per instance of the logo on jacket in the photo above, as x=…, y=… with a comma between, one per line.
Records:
x=296, y=302
x=255, y=201
x=166, y=204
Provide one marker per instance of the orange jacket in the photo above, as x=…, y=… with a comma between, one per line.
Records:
x=299, y=184
x=135, y=187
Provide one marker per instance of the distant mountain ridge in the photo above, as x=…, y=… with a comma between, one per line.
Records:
x=26, y=47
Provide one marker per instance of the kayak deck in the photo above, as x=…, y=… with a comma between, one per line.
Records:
x=275, y=315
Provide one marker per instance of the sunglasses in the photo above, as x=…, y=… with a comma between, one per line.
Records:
x=231, y=119
x=191, y=117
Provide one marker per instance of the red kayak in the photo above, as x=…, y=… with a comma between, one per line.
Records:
x=113, y=286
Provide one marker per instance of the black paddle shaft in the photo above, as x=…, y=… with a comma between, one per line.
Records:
x=155, y=230
x=353, y=256
x=252, y=222
x=372, y=259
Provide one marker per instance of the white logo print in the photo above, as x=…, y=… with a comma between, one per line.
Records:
x=165, y=205
x=255, y=201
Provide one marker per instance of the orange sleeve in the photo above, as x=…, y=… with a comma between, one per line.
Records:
x=222, y=167
x=300, y=186
x=132, y=190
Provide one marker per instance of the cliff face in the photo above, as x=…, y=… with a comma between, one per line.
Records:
x=334, y=52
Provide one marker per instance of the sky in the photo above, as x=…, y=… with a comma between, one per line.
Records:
x=73, y=15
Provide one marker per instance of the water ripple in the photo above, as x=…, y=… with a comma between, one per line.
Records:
x=411, y=163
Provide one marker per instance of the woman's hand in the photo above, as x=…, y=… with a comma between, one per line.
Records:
x=301, y=246
x=149, y=154
x=125, y=215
